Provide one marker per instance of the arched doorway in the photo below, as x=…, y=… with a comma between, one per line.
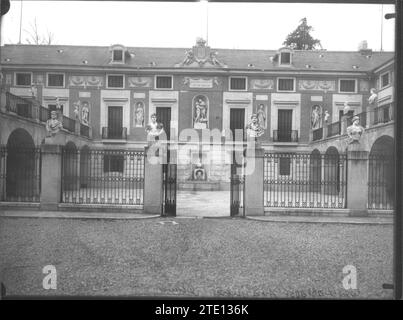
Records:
x=381, y=174
x=23, y=170
x=315, y=171
x=331, y=171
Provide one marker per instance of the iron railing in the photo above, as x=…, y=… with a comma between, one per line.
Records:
x=285, y=135
x=20, y=174
x=44, y=114
x=103, y=176
x=109, y=133
x=18, y=105
x=361, y=116
x=383, y=114
x=69, y=124
x=317, y=134
x=381, y=181
x=305, y=180
x=84, y=130
x=333, y=129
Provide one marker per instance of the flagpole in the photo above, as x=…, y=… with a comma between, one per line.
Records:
x=382, y=28
x=19, y=42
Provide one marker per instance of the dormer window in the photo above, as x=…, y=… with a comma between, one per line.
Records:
x=285, y=58
x=117, y=55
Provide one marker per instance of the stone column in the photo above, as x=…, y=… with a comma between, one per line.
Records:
x=325, y=130
x=254, y=176
x=370, y=117
x=51, y=179
x=152, y=184
x=357, y=179
x=3, y=170
x=343, y=125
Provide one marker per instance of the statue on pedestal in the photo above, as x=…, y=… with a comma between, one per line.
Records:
x=53, y=125
x=154, y=129
x=253, y=129
x=355, y=131
x=199, y=173
x=372, y=98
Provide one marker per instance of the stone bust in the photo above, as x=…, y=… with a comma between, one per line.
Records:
x=355, y=131
x=53, y=125
x=253, y=129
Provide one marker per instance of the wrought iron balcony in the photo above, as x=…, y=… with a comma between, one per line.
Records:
x=69, y=124
x=383, y=114
x=317, y=134
x=333, y=129
x=114, y=133
x=84, y=130
x=285, y=135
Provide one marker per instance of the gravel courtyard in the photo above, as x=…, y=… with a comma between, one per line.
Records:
x=196, y=257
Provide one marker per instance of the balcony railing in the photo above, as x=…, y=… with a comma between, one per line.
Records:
x=43, y=114
x=317, y=134
x=69, y=124
x=383, y=114
x=18, y=105
x=84, y=130
x=285, y=135
x=333, y=129
x=114, y=133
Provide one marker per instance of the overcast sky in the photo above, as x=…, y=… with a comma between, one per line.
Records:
x=230, y=25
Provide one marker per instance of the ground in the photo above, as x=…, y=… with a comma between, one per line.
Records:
x=195, y=257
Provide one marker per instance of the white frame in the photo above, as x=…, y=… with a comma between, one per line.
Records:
x=295, y=84
x=380, y=79
x=280, y=60
x=23, y=85
x=237, y=77
x=350, y=79
x=55, y=73
x=163, y=75
x=115, y=74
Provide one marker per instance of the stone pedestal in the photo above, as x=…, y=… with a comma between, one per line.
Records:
x=325, y=131
x=370, y=117
x=51, y=179
x=357, y=179
x=254, y=177
x=343, y=125
x=152, y=186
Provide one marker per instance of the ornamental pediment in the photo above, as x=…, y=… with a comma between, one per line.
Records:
x=201, y=56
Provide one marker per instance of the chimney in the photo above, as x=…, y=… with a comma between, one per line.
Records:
x=363, y=48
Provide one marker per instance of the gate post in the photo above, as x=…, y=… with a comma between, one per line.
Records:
x=254, y=177
x=152, y=184
x=357, y=180
x=51, y=176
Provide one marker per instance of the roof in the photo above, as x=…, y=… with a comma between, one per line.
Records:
x=99, y=56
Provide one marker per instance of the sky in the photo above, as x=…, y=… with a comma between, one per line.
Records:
x=176, y=24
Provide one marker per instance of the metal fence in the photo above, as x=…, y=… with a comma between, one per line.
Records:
x=381, y=181
x=20, y=174
x=103, y=176
x=383, y=114
x=305, y=180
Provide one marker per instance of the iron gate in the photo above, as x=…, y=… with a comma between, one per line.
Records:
x=381, y=181
x=169, y=174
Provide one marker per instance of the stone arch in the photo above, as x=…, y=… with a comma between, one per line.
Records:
x=331, y=171
x=22, y=168
x=381, y=174
x=315, y=170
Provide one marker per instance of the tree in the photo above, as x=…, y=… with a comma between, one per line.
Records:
x=36, y=38
x=300, y=38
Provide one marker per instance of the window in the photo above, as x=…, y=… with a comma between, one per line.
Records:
x=285, y=58
x=385, y=79
x=237, y=83
x=285, y=164
x=23, y=79
x=115, y=81
x=286, y=84
x=117, y=56
x=113, y=163
x=163, y=82
x=55, y=80
x=346, y=85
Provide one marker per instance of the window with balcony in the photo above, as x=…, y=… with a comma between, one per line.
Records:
x=56, y=80
x=347, y=85
x=237, y=83
x=116, y=81
x=163, y=82
x=286, y=84
x=23, y=79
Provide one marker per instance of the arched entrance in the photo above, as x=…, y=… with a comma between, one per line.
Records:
x=381, y=174
x=22, y=168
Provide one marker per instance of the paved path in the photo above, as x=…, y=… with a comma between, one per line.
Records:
x=203, y=203
x=327, y=219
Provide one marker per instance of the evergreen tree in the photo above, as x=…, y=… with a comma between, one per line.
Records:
x=300, y=38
